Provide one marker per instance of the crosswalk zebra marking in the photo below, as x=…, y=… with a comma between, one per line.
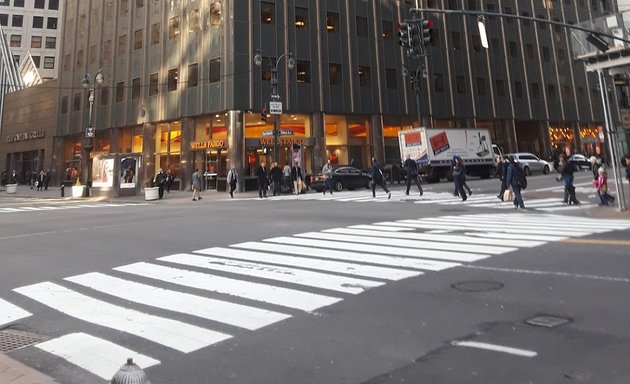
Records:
x=243, y=316
x=266, y=271
x=380, y=228
x=265, y=293
x=392, y=261
x=170, y=333
x=10, y=312
x=43, y=208
x=97, y=356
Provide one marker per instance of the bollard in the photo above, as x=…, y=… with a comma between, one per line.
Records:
x=63, y=191
x=130, y=373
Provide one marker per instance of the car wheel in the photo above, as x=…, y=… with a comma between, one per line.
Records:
x=546, y=170
x=527, y=171
x=338, y=186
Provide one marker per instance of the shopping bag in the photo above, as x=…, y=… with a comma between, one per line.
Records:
x=508, y=195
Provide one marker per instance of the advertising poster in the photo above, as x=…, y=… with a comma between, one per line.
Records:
x=128, y=172
x=102, y=172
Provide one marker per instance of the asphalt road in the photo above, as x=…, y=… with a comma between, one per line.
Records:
x=441, y=298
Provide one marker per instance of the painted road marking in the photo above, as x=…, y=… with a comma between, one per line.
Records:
x=288, y=275
x=10, y=313
x=496, y=348
x=171, y=333
x=550, y=273
x=624, y=243
x=254, y=291
x=222, y=311
x=97, y=356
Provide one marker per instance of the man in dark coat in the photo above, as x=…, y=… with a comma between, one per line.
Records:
x=160, y=182
x=566, y=170
x=261, y=174
x=411, y=169
x=276, y=178
x=459, y=177
x=376, y=172
x=502, y=174
x=512, y=181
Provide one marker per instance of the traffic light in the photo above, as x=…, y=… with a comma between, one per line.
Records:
x=426, y=32
x=404, y=34
x=263, y=114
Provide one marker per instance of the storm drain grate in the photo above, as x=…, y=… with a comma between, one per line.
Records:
x=478, y=286
x=11, y=340
x=547, y=321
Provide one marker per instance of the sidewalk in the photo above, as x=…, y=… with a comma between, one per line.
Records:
x=14, y=372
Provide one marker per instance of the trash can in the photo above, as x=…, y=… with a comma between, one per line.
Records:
x=11, y=188
x=151, y=193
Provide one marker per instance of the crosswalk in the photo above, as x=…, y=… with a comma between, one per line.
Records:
x=482, y=200
x=60, y=207
x=246, y=286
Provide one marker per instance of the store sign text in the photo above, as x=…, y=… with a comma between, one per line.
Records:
x=281, y=141
x=26, y=136
x=208, y=144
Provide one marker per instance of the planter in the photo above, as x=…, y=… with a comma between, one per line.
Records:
x=11, y=188
x=151, y=193
x=77, y=190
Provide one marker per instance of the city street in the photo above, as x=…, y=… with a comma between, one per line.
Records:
x=341, y=289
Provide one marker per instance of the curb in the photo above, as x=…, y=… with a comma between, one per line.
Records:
x=14, y=372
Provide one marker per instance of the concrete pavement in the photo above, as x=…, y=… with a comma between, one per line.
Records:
x=14, y=372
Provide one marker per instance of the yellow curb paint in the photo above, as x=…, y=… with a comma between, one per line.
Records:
x=596, y=241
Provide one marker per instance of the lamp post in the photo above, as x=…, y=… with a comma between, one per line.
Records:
x=416, y=86
x=275, y=97
x=88, y=134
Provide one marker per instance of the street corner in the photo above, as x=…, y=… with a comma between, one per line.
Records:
x=608, y=212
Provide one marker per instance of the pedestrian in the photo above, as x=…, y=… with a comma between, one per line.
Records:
x=13, y=179
x=376, y=172
x=514, y=173
x=169, y=180
x=196, y=185
x=160, y=181
x=297, y=178
x=502, y=174
x=597, y=160
x=4, y=178
x=46, y=180
x=261, y=174
x=459, y=179
x=353, y=163
x=232, y=179
x=276, y=178
x=41, y=178
x=411, y=169
x=463, y=165
x=286, y=177
x=566, y=170
x=328, y=180
x=601, y=184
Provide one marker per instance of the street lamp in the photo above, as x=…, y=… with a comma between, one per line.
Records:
x=275, y=97
x=416, y=86
x=89, y=132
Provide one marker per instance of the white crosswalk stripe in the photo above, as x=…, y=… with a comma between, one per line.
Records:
x=246, y=285
x=42, y=208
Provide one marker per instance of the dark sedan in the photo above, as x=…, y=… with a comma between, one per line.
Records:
x=344, y=177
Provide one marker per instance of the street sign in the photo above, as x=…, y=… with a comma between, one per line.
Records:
x=89, y=132
x=267, y=133
x=275, y=107
x=288, y=132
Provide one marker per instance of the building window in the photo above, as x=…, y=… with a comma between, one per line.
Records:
x=362, y=26
x=495, y=47
x=193, y=75
x=513, y=50
x=456, y=40
x=460, y=83
x=173, y=76
x=137, y=39
x=49, y=62
x=37, y=61
x=76, y=102
x=365, y=77
x=551, y=91
x=135, y=88
x=541, y=26
x=17, y=21
x=438, y=82
x=566, y=91
x=16, y=41
x=36, y=41
x=53, y=4
x=122, y=45
x=332, y=22
x=18, y=3
x=518, y=89
x=267, y=13
x=481, y=86
x=120, y=92
x=139, y=3
x=153, y=84
x=476, y=43
x=51, y=23
x=64, y=104
x=155, y=33
x=4, y=3
x=530, y=51
x=39, y=4
x=391, y=78
x=215, y=70
x=562, y=56
x=499, y=85
x=535, y=91
x=194, y=21
x=303, y=72
x=4, y=19
x=38, y=22
x=173, y=27
x=334, y=74
x=388, y=28
x=526, y=23
x=546, y=53
x=301, y=17
x=51, y=42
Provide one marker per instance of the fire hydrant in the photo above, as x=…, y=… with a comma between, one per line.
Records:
x=130, y=373
x=63, y=190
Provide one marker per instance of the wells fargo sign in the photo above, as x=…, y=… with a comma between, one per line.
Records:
x=208, y=144
x=26, y=136
x=282, y=141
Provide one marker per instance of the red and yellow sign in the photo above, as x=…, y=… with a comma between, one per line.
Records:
x=208, y=144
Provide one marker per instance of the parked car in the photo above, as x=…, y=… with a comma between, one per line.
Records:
x=580, y=161
x=344, y=177
x=531, y=163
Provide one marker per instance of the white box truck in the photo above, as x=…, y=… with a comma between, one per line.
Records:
x=433, y=149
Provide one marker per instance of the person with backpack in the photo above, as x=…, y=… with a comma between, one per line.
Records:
x=411, y=169
x=376, y=173
x=459, y=177
x=601, y=184
x=566, y=170
x=516, y=181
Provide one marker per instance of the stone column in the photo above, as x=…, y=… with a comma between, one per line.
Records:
x=236, y=146
x=510, y=135
x=148, y=154
x=377, y=141
x=58, y=169
x=188, y=133
x=544, y=137
x=577, y=142
x=114, y=140
x=318, y=132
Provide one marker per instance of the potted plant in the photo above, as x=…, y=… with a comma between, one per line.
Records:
x=78, y=189
x=11, y=188
x=150, y=192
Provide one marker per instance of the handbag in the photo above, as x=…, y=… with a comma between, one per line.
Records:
x=508, y=195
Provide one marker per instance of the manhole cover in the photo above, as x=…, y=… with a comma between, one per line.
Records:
x=547, y=321
x=478, y=286
x=12, y=340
